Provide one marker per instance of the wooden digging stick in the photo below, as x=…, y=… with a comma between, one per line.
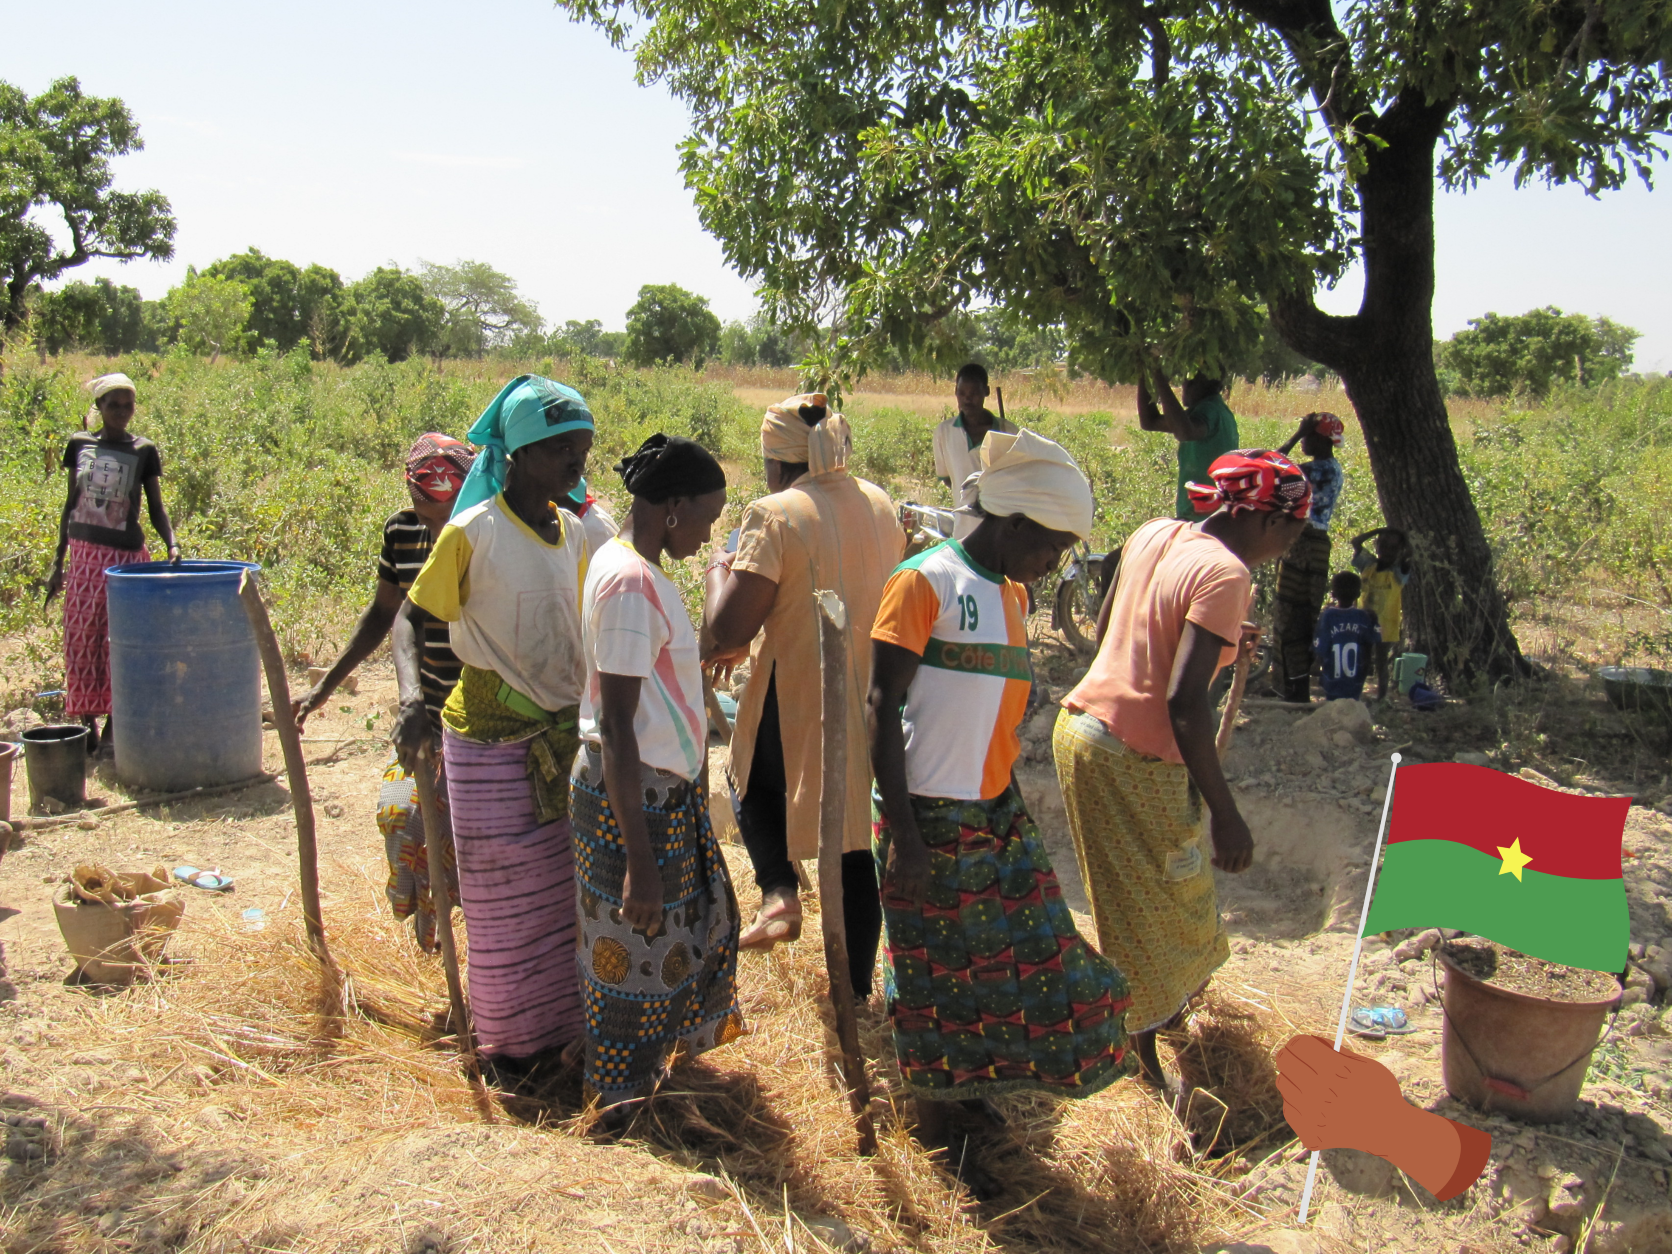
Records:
x=296, y=768
x=441, y=898
x=1228, y=721
x=833, y=795
x=716, y=711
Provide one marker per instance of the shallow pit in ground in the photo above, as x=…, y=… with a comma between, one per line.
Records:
x=1313, y=820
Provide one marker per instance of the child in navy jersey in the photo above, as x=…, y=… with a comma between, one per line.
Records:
x=1345, y=640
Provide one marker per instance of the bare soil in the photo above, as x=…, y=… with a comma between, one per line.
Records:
x=1516, y=972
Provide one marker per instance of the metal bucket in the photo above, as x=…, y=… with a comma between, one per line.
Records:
x=1641, y=689
x=55, y=758
x=1525, y=1056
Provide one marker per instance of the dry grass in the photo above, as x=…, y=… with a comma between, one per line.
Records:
x=325, y=1098
x=932, y=393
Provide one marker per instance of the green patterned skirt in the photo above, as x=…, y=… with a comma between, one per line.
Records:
x=991, y=989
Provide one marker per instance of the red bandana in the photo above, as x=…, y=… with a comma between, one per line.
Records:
x=1329, y=426
x=437, y=465
x=1253, y=478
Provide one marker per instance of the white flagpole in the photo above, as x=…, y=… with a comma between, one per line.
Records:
x=1352, y=970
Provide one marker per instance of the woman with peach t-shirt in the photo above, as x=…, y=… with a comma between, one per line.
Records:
x=1135, y=742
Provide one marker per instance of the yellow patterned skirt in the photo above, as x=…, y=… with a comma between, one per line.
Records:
x=1140, y=839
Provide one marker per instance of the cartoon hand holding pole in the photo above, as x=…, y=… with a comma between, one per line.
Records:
x=1474, y=849
x=1343, y=1100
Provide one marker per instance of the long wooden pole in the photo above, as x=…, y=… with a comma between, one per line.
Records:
x=163, y=799
x=296, y=768
x=442, y=899
x=1233, y=702
x=833, y=795
x=716, y=711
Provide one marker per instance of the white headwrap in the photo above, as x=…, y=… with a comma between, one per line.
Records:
x=786, y=436
x=107, y=383
x=1027, y=474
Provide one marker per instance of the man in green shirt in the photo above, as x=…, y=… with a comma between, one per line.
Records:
x=1202, y=424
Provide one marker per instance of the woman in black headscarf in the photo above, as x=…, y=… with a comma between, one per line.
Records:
x=658, y=919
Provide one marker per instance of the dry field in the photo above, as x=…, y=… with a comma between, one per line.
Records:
x=242, y=1102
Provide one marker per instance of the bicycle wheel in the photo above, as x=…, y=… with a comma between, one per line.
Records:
x=1076, y=616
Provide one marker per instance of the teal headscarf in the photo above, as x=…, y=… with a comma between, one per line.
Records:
x=528, y=409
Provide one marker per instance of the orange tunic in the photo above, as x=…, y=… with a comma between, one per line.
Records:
x=829, y=531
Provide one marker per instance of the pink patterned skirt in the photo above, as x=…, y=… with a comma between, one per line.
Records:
x=87, y=625
x=517, y=888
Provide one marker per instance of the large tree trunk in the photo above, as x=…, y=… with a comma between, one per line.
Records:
x=1454, y=610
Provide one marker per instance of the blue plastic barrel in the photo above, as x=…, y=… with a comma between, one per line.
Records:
x=185, y=676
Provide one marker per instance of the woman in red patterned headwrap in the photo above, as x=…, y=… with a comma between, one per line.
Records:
x=1134, y=743
x=436, y=468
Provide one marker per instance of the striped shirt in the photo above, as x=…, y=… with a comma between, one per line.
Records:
x=406, y=547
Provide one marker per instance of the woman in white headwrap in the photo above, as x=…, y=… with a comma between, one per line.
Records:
x=991, y=989
x=820, y=528
x=99, y=528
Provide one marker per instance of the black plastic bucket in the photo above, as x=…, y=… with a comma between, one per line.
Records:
x=56, y=759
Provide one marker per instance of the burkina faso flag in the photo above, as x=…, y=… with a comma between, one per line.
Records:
x=1527, y=866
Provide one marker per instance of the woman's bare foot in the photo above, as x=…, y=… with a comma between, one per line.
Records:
x=956, y=1146
x=1149, y=1061
x=778, y=921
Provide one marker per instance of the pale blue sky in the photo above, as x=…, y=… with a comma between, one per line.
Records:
x=364, y=131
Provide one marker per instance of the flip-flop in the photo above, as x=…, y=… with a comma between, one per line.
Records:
x=210, y=881
x=1379, y=1021
x=773, y=929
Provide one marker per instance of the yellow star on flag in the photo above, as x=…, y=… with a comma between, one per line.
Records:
x=1514, y=859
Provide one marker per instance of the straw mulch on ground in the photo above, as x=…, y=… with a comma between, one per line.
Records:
x=243, y=1101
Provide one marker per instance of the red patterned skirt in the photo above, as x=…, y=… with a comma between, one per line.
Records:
x=87, y=625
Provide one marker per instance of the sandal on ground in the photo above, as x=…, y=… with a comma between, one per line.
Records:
x=773, y=926
x=211, y=881
x=1376, y=1022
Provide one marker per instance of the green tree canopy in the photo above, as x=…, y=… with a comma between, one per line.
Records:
x=97, y=316
x=667, y=323
x=484, y=309
x=288, y=304
x=66, y=319
x=123, y=326
x=1146, y=176
x=389, y=313
x=578, y=337
x=209, y=312
x=757, y=342
x=55, y=154
x=1530, y=352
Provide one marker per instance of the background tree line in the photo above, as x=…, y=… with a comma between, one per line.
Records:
x=55, y=155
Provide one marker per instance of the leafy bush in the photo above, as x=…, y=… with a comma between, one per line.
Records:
x=294, y=464
x=1530, y=353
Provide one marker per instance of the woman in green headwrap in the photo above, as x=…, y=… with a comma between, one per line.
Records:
x=506, y=575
